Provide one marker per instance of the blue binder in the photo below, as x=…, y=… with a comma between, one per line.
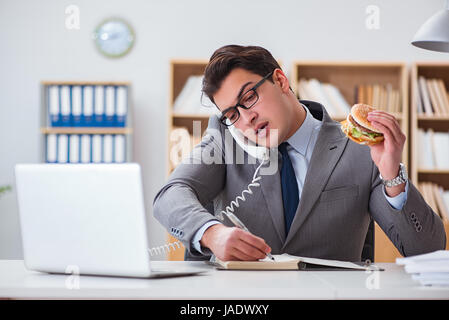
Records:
x=99, y=106
x=110, y=107
x=54, y=110
x=65, y=106
x=87, y=115
x=121, y=105
x=76, y=106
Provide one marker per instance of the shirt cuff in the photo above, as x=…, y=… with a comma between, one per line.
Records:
x=398, y=201
x=199, y=234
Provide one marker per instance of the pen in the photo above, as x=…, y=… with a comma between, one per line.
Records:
x=236, y=221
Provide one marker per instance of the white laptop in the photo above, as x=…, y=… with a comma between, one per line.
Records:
x=85, y=217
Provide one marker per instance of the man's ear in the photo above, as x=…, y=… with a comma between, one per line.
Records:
x=281, y=80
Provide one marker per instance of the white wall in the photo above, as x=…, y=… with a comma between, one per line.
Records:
x=35, y=45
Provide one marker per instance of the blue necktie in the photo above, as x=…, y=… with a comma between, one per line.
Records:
x=290, y=192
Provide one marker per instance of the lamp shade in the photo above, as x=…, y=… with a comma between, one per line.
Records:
x=434, y=33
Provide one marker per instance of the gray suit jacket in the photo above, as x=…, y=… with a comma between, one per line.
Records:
x=342, y=192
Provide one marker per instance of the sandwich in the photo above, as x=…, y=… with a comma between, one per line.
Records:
x=357, y=127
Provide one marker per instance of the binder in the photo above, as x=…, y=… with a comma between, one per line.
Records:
x=87, y=119
x=76, y=106
x=97, y=148
x=53, y=101
x=65, y=106
x=122, y=105
x=74, y=148
x=63, y=148
x=110, y=115
x=99, y=106
x=119, y=148
x=85, y=149
x=108, y=148
x=51, y=148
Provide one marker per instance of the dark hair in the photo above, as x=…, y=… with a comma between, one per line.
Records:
x=225, y=59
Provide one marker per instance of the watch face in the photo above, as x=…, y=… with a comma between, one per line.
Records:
x=114, y=37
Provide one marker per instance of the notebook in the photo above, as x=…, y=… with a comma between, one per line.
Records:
x=289, y=262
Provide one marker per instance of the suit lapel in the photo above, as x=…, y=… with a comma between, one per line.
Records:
x=271, y=186
x=328, y=149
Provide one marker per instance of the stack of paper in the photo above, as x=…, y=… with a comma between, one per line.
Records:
x=430, y=269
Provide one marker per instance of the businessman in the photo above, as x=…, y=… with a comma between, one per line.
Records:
x=320, y=201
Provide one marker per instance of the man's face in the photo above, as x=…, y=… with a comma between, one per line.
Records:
x=268, y=118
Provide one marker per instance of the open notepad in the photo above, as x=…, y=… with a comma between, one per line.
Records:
x=289, y=262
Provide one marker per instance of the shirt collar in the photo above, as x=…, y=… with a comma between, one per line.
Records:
x=301, y=138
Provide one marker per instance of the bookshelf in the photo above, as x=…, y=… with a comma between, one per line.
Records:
x=117, y=126
x=437, y=121
x=349, y=78
x=180, y=71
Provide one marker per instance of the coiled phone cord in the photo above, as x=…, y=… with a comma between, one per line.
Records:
x=229, y=212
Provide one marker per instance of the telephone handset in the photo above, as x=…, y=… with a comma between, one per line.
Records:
x=258, y=152
x=249, y=146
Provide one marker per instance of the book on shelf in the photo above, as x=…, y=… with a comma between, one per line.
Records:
x=191, y=100
x=87, y=105
x=85, y=148
x=433, y=149
x=437, y=198
x=381, y=96
x=325, y=93
x=289, y=262
x=432, y=97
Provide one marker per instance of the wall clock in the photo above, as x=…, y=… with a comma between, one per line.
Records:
x=114, y=37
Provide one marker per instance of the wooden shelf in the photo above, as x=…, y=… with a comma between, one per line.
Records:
x=86, y=130
x=191, y=116
x=433, y=171
x=428, y=70
x=45, y=124
x=432, y=118
x=346, y=75
x=180, y=71
x=440, y=177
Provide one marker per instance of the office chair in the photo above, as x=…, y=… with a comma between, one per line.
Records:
x=368, y=246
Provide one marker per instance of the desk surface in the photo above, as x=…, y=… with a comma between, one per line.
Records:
x=393, y=283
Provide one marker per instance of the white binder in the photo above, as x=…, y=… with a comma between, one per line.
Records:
x=52, y=148
x=63, y=148
x=65, y=105
x=88, y=107
x=110, y=106
x=99, y=105
x=53, y=105
x=122, y=105
x=107, y=148
x=119, y=148
x=97, y=147
x=76, y=106
x=74, y=148
x=85, y=148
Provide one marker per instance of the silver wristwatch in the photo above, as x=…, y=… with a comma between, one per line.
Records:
x=400, y=179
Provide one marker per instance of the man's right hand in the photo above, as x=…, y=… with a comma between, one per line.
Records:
x=232, y=243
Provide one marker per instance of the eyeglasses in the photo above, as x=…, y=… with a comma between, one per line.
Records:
x=230, y=115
